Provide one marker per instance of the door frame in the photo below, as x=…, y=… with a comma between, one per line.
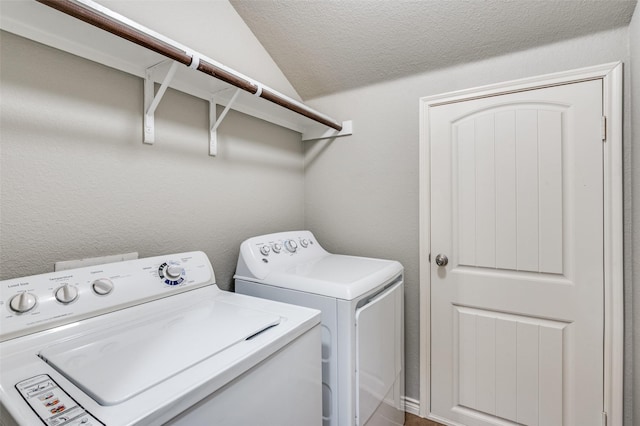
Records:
x=611, y=75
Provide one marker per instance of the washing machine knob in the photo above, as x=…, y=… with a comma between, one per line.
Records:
x=23, y=302
x=291, y=246
x=173, y=271
x=304, y=243
x=102, y=286
x=265, y=250
x=277, y=247
x=66, y=294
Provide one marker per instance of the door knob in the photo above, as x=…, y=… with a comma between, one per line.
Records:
x=442, y=260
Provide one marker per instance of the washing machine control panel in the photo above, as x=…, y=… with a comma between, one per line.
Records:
x=39, y=302
x=52, y=404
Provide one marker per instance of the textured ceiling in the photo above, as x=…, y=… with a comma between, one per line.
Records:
x=327, y=46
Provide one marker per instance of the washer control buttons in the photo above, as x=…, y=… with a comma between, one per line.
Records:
x=52, y=404
x=171, y=273
x=66, y=294
x=277, y=247
x=265, y=250
x=102, y=286
x=23, y=302
x=304, y=243
x=291, y=246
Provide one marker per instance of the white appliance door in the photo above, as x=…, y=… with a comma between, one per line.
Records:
x=517, y=206
x=115, y=365
x=379, y=339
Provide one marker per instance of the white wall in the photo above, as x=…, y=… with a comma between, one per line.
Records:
x=632, y=386
x=361, y=192
x=77, y=181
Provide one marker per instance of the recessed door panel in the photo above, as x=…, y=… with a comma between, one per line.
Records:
x=508, y=188
x=509, y=366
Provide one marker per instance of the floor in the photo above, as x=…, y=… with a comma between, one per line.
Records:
x=411, y=420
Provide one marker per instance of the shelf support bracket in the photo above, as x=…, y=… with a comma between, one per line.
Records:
x=347, y=130
x=152, y=99
x=214, y=121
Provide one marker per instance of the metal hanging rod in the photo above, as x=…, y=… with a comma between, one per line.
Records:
x=103, y=18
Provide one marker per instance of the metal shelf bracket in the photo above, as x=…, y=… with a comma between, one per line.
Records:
x=214, y=121
x=152, y=99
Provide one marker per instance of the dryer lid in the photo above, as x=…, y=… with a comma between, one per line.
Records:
x=334, y=275
x=114, y=365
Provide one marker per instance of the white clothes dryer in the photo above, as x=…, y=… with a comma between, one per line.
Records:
x=153, y=341
x=362, y=304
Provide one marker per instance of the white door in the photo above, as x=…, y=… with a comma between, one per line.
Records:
x=517, y=208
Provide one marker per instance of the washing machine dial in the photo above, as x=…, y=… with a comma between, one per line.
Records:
x=277, y=247
x=171, y=273
x=265, y=250
x=102, y=286
x=291, y=246
x=304, y=243
x=174, y=271
x=66, y=294
x=23, y=302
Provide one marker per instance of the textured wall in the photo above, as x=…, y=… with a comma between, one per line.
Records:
x=361, y=192
x=77, y=181
x=633, y=385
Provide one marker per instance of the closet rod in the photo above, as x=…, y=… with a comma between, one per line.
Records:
x=114, y=26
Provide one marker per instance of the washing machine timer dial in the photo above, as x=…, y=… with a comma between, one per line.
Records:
x=171, y=273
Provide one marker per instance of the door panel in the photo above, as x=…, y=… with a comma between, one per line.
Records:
x=516, y=205
x=509, y=366
x=506, y=190
x=508, y=167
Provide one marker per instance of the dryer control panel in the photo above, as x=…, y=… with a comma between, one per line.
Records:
x=266, y=253
x=285, y=244
x=39, y=302
x=281, y=249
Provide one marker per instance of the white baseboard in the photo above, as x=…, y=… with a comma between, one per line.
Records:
x=411, y=406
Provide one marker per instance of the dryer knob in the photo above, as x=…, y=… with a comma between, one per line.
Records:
x=304, y=243
x=276, y=247
x=265, y=250
x=102, y=286
x=291, y=246
x=66, y=294
x=23, y=302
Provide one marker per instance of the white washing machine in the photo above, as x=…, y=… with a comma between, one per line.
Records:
x=153, y=341
x=361, y=300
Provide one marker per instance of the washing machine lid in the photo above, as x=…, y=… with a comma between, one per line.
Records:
x=114, y=365
x=334, y=275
